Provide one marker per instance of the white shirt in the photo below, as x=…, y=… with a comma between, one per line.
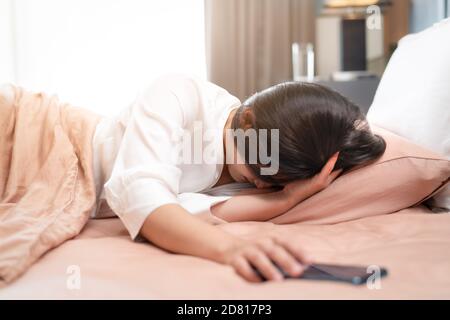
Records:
x=135, y=165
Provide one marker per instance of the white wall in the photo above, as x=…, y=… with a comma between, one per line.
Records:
x=424, y=13
x=328, y=45
x=98, y=53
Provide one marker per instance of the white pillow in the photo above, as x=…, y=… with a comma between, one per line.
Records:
x=413, y=98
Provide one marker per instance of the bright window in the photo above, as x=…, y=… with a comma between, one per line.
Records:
x=99, y=53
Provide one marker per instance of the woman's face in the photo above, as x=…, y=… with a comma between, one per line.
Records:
x=240, y=172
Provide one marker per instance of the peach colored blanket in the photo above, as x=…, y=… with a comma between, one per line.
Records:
x=102, y=262
x=46, y=185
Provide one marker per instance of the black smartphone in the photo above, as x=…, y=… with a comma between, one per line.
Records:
x=353, y=274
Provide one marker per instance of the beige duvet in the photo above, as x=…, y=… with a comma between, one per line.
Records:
x=46, y=182
x=413, y=244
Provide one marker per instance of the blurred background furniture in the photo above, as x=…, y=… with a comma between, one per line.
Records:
x=350, y=36
x=251, y=44
x=360, y=90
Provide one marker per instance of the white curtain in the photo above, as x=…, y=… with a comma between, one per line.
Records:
x=98, y=53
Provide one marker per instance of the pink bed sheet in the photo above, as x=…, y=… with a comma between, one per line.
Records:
x=413, y=244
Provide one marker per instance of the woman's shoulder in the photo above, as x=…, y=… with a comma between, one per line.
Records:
x=197, y=98
x=185, y=83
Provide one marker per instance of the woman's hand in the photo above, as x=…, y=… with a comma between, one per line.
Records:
x=265, y=204
x=262, y=254
x=299, y=190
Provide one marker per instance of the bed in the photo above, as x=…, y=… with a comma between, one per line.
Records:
x=413, y=244
x=358, y=220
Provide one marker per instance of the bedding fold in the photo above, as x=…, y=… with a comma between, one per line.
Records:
x=47, y=189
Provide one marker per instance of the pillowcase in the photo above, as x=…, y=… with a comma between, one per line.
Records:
x=406, y=175
x=413, y=98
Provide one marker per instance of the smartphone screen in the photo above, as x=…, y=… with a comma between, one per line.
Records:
x=352, y=274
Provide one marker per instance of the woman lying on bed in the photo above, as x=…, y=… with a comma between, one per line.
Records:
x=321, y=134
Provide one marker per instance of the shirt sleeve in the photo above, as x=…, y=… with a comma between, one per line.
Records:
x=199, y=203
x=145, y=174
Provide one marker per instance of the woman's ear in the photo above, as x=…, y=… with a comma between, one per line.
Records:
x=246, y=119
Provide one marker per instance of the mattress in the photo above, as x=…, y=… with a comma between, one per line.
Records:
x=413, y=244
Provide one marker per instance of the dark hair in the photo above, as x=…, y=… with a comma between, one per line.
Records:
x=314, y=123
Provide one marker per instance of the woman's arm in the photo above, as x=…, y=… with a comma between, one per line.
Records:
x=173, y=228
x=262, y=207
x=254, y=207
